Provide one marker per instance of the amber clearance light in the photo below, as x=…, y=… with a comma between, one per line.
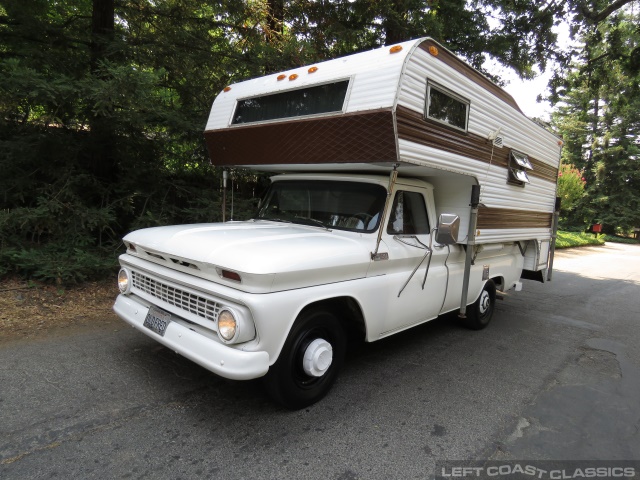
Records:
x=313, y=69
x=226, y=89
x=395, y=49
x=293, y=76
x=281, y=77
x=433, y=50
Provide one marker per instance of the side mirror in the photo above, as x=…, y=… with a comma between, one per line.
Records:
x=448, y=226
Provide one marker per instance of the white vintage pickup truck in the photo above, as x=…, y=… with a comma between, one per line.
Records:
x=280, y=294
x=413, y=187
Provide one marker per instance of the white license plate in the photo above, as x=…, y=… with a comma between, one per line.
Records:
x=157, y=320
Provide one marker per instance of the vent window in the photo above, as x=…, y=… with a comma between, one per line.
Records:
x=518, y=165
x=327, y=98
x=446, y=107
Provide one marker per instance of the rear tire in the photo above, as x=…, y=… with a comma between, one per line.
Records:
x=297, y=382
x=480, y=312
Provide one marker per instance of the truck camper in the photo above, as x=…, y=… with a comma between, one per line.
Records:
x=406, y=185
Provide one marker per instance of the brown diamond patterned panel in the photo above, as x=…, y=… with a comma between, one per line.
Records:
x=364, y=137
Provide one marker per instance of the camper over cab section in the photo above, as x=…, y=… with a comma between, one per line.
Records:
x=415, y=104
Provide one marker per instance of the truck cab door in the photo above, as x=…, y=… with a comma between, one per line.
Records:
x=410, y=299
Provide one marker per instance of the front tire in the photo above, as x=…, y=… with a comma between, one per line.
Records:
x=480, y=312
x=309, y=362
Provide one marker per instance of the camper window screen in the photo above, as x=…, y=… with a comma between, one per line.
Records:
x=294, y=103
x=447, y=108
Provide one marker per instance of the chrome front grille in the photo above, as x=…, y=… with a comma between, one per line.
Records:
x=187, y=301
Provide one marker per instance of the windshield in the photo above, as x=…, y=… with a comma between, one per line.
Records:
x=340, y=205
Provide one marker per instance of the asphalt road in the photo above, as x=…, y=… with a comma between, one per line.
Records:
x=555, y=376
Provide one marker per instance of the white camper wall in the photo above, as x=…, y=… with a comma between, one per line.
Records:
x=487, y=113
x=452, y=194
x=375, y=76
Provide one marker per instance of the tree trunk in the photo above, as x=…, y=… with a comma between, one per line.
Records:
x=101, y=156
x=273, y=34
x=102, y=29
x=394, y=27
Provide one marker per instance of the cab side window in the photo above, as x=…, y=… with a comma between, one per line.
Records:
x=408, y=215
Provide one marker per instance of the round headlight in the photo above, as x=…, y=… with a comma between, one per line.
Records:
x=123, y=281
x=227, y=325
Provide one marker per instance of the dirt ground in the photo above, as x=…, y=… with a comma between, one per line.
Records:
x=30, y=309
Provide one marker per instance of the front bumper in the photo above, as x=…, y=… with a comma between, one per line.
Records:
x=216, y=357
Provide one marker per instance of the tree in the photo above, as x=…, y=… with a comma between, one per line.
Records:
x=571, y=183
x=599, y=116
x=101, y=114
x=517, y=34
x=102, y=103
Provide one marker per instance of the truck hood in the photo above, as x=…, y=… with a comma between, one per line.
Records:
x=269, y=256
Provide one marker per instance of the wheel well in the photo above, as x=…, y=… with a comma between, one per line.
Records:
x=499, y=283
x=347, y=310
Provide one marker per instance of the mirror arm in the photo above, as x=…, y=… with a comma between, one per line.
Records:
x=424, y=281
x=428, y=253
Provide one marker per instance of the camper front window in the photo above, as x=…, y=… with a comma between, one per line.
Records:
x=446, y=107
x=326, y=98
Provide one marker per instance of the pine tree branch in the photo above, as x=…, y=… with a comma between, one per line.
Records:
x=597, y=17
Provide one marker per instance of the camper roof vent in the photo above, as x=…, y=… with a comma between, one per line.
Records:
x=498, y=141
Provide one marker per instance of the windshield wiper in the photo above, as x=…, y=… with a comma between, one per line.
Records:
x=274, y=219
x=299, y=220
x=308, y=220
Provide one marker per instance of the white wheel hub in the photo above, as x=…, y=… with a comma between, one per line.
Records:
x=485, y=301
x=317, y=358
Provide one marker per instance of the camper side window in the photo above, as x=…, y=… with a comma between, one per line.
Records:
x=408, y=215
x=446, y=107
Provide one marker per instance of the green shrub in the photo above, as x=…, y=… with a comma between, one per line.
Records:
x=571, y=184
x=572, y=239
x=619, y=239
x=59, y=263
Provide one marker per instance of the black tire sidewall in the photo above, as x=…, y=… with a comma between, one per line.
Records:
x=285, y=381
x=476, y=320
x=485, y=318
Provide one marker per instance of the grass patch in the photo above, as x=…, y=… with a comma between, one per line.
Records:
x=618, y=239
x=575, y=239
x=581, y=239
